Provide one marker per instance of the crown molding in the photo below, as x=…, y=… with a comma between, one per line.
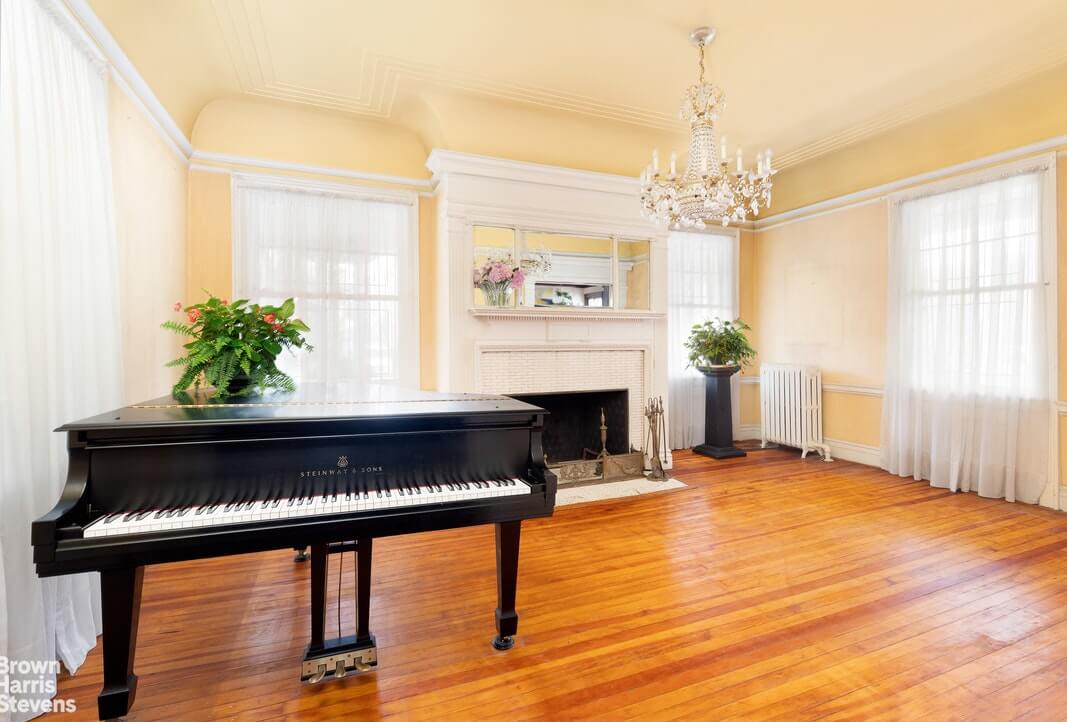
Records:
x=882, y=192
x=199, y=157
x=444, y=162
x=380, y=78
x=129, y=80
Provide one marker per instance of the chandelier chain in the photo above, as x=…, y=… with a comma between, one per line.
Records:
x=701, y=63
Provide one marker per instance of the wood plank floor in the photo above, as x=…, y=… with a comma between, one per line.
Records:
x=772, y=588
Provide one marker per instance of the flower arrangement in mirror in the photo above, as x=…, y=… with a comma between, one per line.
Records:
x=234, y=346
x=499, y=277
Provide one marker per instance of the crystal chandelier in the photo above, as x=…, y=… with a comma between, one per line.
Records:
x=707, y=192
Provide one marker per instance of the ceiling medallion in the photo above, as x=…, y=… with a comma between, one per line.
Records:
x=707, y=192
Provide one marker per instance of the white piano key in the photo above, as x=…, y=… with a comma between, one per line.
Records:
x=371, y=499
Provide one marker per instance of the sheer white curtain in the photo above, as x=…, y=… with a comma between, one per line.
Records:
x=968, y=390
x=60, y=357
x=701, y=285
x=351, y=265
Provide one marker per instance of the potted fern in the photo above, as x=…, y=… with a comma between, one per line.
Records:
x=718, y=349
x=235, y=345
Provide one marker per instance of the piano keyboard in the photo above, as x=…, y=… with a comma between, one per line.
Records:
x=198, y=517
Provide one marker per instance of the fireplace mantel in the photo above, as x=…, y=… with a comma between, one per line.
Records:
x=588, y=314
x=488, y=349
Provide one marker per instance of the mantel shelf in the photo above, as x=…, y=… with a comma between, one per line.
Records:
x=588, y=314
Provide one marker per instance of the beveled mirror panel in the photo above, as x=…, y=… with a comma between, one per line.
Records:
x=633, y=274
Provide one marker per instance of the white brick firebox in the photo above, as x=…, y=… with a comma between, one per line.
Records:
x=548, y=368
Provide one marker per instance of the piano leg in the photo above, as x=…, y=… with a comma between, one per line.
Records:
x=318, y=596
x=120, y=591
x=363, y=555
x=507, y=573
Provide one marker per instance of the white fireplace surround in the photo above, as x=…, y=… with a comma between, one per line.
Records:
x=530, y=350
x=547, y=368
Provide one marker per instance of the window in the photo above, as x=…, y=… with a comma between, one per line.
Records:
x=968, y=393
x=701, y=285
x=350, y=262
x=971, y=269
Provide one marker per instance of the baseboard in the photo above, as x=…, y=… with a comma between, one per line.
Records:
x=851, y=451
x=747, y=432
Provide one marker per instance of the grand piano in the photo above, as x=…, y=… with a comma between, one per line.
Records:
x=329, y=467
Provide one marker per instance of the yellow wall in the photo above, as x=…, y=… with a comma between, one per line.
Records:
x=209, y=266
x=149, y=182
x=258, y=128
x=819, y=293
x=1027, y=112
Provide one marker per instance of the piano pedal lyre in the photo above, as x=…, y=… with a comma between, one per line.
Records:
x=337, y=661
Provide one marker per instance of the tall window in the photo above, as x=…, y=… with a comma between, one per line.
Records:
x=968, y=385
x=351, y=265
x=701, y=285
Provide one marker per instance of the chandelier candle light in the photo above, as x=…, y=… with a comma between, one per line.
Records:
x=707, y=192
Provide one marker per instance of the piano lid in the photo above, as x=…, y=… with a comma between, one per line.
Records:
x=310, y=402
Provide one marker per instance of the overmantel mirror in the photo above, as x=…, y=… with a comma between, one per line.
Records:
x=530, y=269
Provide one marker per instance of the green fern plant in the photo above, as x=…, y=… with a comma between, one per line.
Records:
x=235, y=345
x=719, y=343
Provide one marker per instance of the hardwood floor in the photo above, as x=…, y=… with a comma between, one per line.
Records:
x=772, y=588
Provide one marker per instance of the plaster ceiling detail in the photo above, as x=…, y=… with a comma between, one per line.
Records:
x=803, y=78
x=379, y=78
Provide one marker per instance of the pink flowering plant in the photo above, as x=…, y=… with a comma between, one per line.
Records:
x=496, y=277
x=235, y=345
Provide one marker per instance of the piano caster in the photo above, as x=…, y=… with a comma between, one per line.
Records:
x=301, y=554
x=503, y=644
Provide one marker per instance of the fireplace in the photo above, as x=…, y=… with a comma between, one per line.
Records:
x=572, y=428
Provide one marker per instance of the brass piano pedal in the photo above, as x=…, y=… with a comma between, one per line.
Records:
x=318, y=676
x=339, y=659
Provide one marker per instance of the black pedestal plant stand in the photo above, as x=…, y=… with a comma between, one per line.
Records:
x=718, y=349
x=718, y=418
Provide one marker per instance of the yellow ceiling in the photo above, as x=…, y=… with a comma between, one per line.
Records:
x=803, y=77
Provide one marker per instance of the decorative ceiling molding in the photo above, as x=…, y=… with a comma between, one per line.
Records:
x=381, y=76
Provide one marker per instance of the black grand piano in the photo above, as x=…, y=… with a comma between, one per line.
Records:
x=329, y=467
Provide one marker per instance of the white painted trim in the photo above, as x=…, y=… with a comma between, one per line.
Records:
x=224, y=170
x=367, y=193
x=442, y=162
x=131, y=82
x=879, y=192
x=858, y=453
x=277, y=165
x=748, y=432
x=854, y=389
x=1061, y=407
x=541, y=313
